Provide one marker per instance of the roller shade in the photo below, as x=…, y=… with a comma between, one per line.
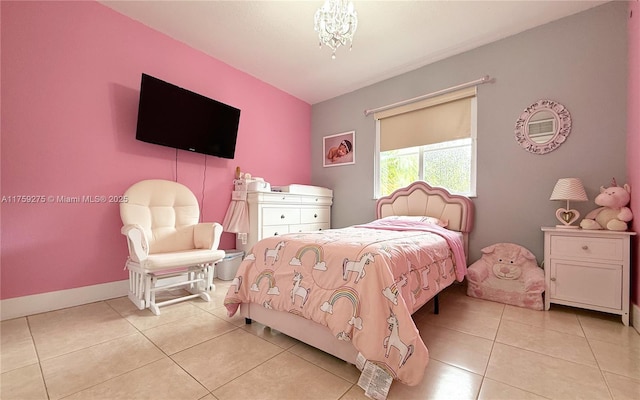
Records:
x=438, y=119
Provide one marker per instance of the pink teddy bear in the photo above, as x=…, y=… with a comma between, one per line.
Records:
x=613, y=214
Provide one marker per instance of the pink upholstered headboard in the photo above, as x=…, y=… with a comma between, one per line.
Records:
x=419, y=198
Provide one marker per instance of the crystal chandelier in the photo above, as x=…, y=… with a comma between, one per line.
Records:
x=336, y=22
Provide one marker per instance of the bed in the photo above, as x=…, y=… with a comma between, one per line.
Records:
x=351, y=291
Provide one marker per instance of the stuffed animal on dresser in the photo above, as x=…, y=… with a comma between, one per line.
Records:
x=613, y=214
x=507, y=273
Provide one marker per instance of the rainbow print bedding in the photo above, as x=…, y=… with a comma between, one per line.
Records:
x=362, y=282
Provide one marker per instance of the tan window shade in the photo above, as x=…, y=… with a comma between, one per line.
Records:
x=435, y=120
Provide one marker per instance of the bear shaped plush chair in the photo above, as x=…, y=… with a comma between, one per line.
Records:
x=507, y=273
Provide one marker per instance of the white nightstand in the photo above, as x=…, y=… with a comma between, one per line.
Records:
x=587, y=269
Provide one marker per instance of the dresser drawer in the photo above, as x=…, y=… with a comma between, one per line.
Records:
x=274, y=230
x=278, y=198
x=314, y=215
x=309, y=227
x=318, y=200
x=587, y=247
x=280, y=216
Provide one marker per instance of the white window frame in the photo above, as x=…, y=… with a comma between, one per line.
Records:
x=474, y=155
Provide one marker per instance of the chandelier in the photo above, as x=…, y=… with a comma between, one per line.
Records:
x=336, y=22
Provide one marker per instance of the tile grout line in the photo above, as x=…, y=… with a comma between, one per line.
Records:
x=604, y=378
x=493, y=344
x=35, y=348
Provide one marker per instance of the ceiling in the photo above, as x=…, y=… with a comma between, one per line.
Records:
x=275, y=42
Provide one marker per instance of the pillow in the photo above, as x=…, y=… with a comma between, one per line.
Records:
x=419, y=218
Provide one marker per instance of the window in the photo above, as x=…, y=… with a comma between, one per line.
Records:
x=433, y=140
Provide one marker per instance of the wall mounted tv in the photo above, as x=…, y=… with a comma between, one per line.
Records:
x=171, y=116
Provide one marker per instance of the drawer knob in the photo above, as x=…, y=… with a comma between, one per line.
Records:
x=553, y=279
x=585, y=247
x=315, y=215
x=275, y=233
x=282, y=216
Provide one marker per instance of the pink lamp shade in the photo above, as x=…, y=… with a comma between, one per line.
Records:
x=568, y=189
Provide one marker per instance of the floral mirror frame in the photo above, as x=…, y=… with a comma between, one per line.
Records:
x=543, y=126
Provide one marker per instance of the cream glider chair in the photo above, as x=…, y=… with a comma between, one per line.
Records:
x=166, y=240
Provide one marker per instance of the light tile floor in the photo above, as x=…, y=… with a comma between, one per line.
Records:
x=479, y=350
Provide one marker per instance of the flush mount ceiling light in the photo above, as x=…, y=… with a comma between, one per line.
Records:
x=336, y=22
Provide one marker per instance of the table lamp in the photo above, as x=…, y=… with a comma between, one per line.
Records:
x=568, y=189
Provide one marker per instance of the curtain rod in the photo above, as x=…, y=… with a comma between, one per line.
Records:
x=484, y=79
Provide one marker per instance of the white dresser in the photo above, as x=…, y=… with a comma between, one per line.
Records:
x=587, y=269
x=297, y=208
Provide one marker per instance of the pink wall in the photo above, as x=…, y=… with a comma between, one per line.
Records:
x=633, y=138
x=70, y=85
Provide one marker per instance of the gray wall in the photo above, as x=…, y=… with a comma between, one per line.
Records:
x=579, y=61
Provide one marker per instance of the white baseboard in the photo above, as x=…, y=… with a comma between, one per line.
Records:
x=39, y=303
x=635, y=316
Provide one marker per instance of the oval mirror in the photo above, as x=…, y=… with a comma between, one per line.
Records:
x=543, y=126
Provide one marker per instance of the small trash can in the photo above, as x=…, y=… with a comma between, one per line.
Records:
x=226, y=268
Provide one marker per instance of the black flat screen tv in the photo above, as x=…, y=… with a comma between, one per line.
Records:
x=171, y=116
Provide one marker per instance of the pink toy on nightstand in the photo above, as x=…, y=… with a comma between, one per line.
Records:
x=613, y=214
x=507, y=273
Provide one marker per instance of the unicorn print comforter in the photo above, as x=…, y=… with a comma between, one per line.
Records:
x=363, y=283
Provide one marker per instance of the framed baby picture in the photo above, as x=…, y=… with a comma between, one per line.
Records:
x=339, y=149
